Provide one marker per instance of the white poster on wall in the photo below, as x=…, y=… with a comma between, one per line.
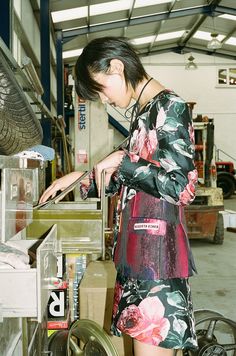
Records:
x=82, y=135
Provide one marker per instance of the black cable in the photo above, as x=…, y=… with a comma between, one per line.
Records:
x=135, y=109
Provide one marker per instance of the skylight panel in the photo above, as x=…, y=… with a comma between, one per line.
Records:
x=142, y=3
x=70, y=14
x=202, y=35
x=108, y=7
x=100, y=9
x=169, y=35
x=161, y=37
x=143, y=40
x=228, y=17
x=231, y=41
x=97, y=9
x=72, y=53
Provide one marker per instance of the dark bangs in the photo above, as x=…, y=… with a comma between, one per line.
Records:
x=96, y=57
x=86, y=87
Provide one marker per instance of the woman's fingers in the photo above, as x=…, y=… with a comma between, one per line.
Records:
x=52, y=190
x=59, y=184
x=49, y=192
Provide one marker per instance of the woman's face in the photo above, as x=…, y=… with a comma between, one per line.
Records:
x=115, y=91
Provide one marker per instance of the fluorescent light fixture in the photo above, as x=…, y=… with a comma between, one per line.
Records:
x=231, y=41
x=169, y=35
x=73, y=53
x=142, y=40
x=202, y=35
x=228, y=17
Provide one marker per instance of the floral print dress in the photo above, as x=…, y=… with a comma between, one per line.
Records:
x=156, y=179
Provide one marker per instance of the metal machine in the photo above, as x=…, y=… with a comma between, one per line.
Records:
x=216, y=334
x=203, y=216
x=25, y=288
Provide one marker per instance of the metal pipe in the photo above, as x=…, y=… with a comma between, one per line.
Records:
x=33, y=76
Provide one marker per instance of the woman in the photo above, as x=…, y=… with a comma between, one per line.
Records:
x=155, y=178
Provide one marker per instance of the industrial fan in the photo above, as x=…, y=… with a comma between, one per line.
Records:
x=20, y=129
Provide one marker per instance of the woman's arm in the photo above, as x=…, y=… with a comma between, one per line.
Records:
x=61, y=184
x=169, y=170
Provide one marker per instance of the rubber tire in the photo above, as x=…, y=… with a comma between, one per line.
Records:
x=20, y=129
x=219, y=231
x=227, y=184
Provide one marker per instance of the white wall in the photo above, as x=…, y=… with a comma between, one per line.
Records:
x=23, y=10
x=200, y=86
x=92, y=134
x=100, y=134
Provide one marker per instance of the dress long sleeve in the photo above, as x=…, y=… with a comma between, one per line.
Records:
x=160, y=161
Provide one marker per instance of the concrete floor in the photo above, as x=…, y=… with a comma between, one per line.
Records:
x=215, y=285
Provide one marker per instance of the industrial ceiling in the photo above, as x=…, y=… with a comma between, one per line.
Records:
x=154, y=26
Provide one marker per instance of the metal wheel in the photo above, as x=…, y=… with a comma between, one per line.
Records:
x=87, y=338
x=216, y=334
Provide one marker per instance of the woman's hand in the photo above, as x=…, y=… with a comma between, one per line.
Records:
x=109, y=165
x=60, y=184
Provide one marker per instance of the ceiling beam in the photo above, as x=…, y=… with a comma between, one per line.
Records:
x=188, y=49
x=71, y=34
x=230, y=34
x=189, y=34
x=222, y=10
x=130, y=11
x=161, y=23
x=88, y=19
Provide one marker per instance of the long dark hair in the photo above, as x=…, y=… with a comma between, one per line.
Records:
x=96, y=57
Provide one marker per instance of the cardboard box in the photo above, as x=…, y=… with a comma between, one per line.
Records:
x=96, y=294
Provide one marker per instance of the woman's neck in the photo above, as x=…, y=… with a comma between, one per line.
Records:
x=151, y=90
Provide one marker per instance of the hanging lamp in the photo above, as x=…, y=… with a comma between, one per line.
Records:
x=214, y=43
x=191, y=64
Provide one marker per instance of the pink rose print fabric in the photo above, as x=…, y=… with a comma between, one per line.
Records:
x=147, y=320
x=157, y=313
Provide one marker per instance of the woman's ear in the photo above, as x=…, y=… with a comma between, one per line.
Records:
x=116, y=66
